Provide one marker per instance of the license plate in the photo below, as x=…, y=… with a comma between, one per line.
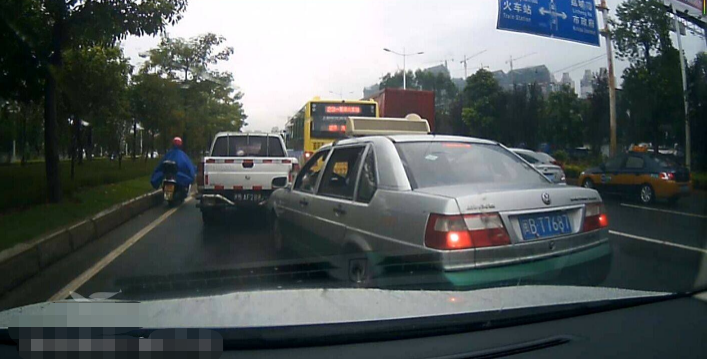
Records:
x=169, y=187
x=539, y=226
x=248, y=197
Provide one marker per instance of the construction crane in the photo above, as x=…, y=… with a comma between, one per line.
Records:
x=467, y=58
x=510, y=61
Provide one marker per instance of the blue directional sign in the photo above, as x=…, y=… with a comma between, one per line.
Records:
x=573, y=20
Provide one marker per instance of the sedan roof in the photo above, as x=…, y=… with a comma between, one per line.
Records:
x=413, y=138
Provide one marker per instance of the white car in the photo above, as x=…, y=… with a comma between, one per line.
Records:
x=544, y=163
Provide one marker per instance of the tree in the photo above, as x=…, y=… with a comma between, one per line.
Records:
x=396, y=80
x=563, y=125
x=596, y=115
x=482, y=105
x=42, y=31
x=642, y=34
x=153, y=100
x=697, y=97
x=93, y=84
x=209, y=103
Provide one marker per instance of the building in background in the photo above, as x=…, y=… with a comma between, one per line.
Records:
x=525, y=77
x=567, y=81
x=585, y=84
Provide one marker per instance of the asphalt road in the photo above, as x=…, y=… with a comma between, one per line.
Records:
x=661, y=248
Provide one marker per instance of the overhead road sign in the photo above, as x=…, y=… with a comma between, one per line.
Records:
x=572, y=20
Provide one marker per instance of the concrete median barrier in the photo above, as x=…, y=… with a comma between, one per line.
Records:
x=17, y=266
x=19, y=263
x=54, y=247
x=82, y=233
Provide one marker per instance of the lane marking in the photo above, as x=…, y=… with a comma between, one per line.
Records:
x=664, y=211
x=88, y=274
x=651, y=240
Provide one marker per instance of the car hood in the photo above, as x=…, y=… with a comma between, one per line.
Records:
x=303, y=307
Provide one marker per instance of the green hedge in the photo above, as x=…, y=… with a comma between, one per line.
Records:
x=699, y=180
x=22, y=186
x=573, y=171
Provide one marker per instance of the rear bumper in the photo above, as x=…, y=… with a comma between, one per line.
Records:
x=592, y=261
x=671, y=189
x=219, y=201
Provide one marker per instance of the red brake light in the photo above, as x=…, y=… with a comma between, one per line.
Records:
x=211, y=160
x=594, y=217
x=469, y=231
x=668, y=176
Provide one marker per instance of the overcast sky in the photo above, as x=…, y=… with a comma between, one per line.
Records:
x=288, y=51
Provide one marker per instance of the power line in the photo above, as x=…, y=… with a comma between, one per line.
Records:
x=580, y=64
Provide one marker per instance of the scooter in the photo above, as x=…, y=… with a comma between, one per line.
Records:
x=173, y=193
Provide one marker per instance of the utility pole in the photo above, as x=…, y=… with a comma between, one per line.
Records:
x=467, y=58
x=688, y=151
x=612, y=80
x=404, y=55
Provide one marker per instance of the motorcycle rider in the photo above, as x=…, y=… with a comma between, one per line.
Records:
x=186, y=170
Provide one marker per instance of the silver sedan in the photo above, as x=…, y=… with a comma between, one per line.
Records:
x=467, y=208
x=543, y=163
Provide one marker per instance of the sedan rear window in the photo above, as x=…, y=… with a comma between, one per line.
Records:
x=248, y=146
x=430, y=164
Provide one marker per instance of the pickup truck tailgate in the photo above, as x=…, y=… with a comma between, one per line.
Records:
x=244, y=173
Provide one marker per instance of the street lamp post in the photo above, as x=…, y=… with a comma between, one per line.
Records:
x=404, y=55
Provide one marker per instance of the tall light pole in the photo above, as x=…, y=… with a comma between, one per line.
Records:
x=404, y=55
x=612, y=80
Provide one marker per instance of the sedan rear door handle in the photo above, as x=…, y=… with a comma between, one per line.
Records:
x=303, y=202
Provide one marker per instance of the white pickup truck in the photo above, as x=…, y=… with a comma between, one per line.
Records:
x=241, y=171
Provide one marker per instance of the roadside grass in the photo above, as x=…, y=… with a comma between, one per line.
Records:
x=23, y=186
x=699, y=180
x=23, y=225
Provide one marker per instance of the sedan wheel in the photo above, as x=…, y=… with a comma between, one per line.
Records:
x=588, y=183
x=646, y=194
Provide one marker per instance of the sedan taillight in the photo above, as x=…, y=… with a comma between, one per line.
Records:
x=463, y=232
x=667, y=176
x=595, y=217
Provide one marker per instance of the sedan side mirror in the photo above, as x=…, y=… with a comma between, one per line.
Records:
x=279, y=182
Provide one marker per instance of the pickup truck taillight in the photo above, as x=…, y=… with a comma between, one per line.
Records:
x=463, y=232
x=594, y=217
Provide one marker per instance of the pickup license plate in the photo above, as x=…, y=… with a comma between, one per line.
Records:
x=544, y=225
x=248, y=197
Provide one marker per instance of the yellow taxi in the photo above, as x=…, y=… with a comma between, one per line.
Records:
x=640, y=174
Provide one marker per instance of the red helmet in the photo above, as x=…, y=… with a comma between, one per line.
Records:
x=177, y=141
